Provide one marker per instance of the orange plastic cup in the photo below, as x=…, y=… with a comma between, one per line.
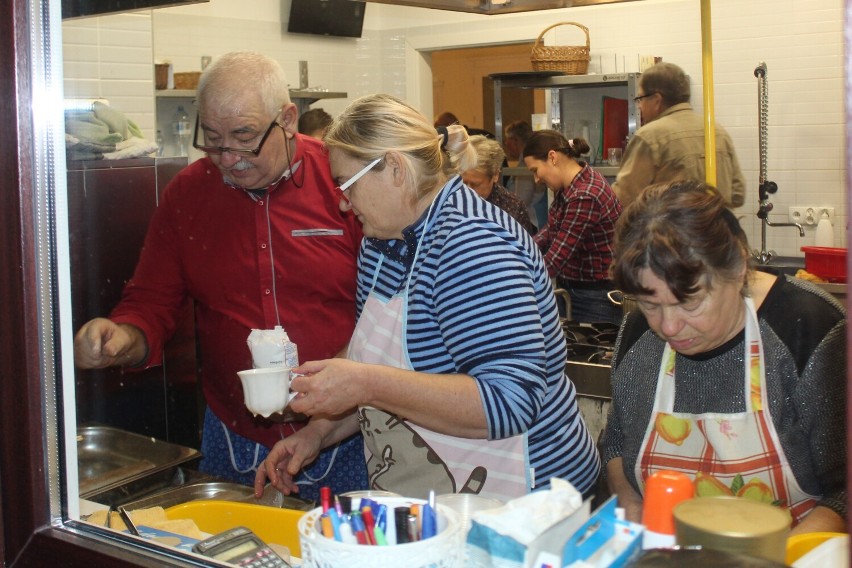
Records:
x=663, y=491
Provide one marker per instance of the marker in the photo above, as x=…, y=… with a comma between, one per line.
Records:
x=380, y=536
x=327, y=529
x=338, y=506
x=400, y=515
x=369, y=524
x=358, y=528
x=346, y=534
x=325, y=498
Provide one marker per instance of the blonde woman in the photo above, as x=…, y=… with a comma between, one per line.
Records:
x=455, y=371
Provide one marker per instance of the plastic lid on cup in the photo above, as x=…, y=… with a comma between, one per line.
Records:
x=664, y=490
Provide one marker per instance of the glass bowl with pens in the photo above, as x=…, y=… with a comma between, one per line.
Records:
x=380, y=531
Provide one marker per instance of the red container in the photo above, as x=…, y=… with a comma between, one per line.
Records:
x=826, y=262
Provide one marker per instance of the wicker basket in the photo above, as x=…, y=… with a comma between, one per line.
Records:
x=569, y=59
x=187, y=80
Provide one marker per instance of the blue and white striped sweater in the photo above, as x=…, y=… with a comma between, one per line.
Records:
x=481, y=303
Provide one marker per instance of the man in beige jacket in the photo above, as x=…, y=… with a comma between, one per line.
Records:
x=670, y=144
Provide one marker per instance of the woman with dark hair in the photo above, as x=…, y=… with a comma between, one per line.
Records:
x=577, y=240
x=732, y=376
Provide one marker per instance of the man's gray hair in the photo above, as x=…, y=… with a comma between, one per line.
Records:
x=667, y=79
x=230, y=75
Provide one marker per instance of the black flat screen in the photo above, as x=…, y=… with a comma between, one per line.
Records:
x=343, y=18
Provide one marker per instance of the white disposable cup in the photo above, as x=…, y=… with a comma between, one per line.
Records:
x=266, y=391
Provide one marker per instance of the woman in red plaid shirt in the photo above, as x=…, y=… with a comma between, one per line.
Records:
x=577, y=241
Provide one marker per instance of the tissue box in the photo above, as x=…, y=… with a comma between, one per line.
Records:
x=604, y=540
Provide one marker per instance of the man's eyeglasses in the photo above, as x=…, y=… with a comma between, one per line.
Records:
x=348, y=183
x=640, y=97
x=244, y=152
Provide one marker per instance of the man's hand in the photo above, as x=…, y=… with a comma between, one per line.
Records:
x=102, y=343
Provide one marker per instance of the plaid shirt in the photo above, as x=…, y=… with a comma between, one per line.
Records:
x=577, y=240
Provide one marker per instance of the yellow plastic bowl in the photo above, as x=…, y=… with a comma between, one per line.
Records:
x=272, y=525
x=800, y=544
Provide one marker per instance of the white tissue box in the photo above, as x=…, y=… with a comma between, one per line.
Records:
x=603, y=541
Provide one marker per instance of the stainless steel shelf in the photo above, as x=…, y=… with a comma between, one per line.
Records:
x=605, y=170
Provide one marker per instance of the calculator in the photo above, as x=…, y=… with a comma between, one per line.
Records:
x=241, y=547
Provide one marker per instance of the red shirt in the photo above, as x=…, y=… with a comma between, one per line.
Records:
x=211, y=242
x=577, y=241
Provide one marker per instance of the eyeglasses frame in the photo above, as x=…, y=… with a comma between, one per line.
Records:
x=639, y=98
x=217, y=150
x=348, y=183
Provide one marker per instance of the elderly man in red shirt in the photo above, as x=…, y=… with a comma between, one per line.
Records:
x=253, y=233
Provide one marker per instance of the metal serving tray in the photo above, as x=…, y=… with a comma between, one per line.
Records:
x=109, y=458
x=220, y=491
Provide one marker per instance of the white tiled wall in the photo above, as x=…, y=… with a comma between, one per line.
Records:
x=801, y=43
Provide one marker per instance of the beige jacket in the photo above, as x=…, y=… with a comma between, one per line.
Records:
x=672, y=147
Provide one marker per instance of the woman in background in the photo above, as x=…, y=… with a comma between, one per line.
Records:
x=484, y=179
x=577, y=240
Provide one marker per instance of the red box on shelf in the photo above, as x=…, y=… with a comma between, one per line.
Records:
x=826, y=262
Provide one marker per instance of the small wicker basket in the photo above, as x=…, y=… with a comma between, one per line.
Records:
x=569, y=59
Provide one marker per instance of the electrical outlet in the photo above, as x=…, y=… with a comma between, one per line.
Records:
x=809, y=215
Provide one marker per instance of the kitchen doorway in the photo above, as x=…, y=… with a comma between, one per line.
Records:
x=460, y=84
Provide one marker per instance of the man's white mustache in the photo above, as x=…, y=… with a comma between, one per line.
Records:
x=241, y=165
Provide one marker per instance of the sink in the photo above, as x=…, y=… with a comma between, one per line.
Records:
x=781, y=265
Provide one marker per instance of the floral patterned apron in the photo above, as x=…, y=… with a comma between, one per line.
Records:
x=409, y=459
x=725, y=454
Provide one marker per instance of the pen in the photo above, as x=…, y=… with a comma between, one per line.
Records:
x=412, y=528
x=382, y=518
x=390, y=525
x=428, y=527
x=335, y=524
x=338, y=506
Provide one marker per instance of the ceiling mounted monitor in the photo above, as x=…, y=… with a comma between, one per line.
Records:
x=342, y=18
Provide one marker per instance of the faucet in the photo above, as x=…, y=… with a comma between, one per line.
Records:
x=763, y=256
x=766, y=187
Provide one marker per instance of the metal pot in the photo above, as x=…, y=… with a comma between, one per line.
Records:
x=619, y=298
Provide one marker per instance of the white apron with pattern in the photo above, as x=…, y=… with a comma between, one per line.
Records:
x=734, y=454
x=409, y=459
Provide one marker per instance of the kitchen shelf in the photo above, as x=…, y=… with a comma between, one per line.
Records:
x=303, y=98
x=573, y=98
x=520, y=171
